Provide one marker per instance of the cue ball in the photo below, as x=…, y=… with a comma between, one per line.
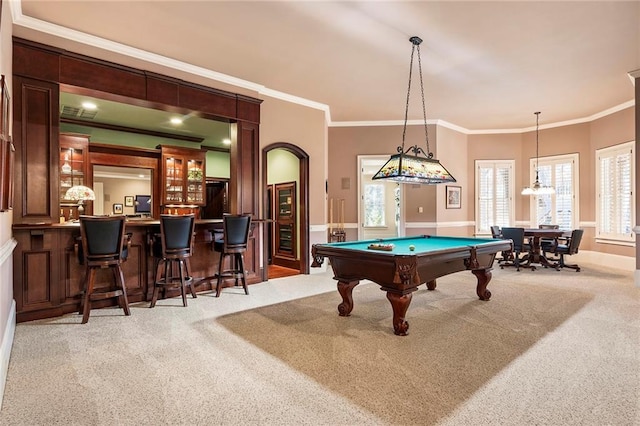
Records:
x=412, y=247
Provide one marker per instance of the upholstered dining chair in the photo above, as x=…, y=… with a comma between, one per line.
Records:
x=516, y=256
x=547, y=243
x=234, y=244
x=176, y=235
x=496, y=232
x=568, y=248
x=103, y=246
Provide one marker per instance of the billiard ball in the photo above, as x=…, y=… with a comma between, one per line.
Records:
x=412, y=247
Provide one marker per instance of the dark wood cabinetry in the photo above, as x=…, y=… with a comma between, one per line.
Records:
x=183, y=177
x=285, y=251
x=217, y=203
x=46, y=273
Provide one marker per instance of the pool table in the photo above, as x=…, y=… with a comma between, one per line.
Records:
x=400, y=265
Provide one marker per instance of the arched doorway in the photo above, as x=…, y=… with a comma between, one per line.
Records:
x=302, y=200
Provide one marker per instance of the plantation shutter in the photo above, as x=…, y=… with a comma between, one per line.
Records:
x=493, y=188
x=615, y=192
x=561, y=173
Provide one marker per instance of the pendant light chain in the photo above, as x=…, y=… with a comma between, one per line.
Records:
x=424, y=108
x=406, y=109
x=414, y=165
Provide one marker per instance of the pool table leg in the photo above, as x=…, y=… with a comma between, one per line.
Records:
x=400, y=304
x=484, y=276
x=345, y=288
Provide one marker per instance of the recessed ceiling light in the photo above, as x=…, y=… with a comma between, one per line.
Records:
x=176, y=120
x=89, y=105
x=226, y=141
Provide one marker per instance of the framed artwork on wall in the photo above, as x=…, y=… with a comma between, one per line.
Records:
x=7, y=149
x=117, y=209
x=128, y=201
x=454, y=197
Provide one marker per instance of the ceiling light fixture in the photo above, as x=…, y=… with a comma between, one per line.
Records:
x=176, y=121
x=537, y=188
x=414, y=168
x=89, y=105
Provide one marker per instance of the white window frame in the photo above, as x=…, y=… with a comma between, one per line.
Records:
x=615, y=238
x=552, y=161
x=510, y=164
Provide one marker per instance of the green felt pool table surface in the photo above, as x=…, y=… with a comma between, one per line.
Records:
x=421, y=244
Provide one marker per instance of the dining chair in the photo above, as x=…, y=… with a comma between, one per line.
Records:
x=569, y=248
x=547, y=243
x=520, y=248
x=234, y=244
x=176, y=235
x=104, y=245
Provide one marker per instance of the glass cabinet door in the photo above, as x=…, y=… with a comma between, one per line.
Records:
x=72, y=171
x=174, y=181
x=184, y=177
x=285, y=222
x=195, y=181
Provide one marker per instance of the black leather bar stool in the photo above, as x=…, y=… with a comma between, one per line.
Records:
x=234, y=243
x=103, y=246
x=176, y=234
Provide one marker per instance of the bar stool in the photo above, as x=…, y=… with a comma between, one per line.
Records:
x=234, y=243
x=103, y=246
x=176, y=234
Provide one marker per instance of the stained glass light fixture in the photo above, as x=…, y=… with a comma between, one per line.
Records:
x=414, y=165
x=80, y=193
x=537, y=188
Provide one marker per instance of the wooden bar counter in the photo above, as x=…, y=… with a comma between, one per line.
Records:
x=48, y=277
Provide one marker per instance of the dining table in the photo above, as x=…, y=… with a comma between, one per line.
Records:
x=536, y=255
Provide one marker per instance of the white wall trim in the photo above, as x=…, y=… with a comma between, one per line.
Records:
x=5, y=349
x=421, y=225
x=617, y=261
x=7, y=250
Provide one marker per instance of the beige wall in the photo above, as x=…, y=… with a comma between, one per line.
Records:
x=7, y=318
x=452, y=147
x=304, y=127
x=346, y=143
x=458, y=152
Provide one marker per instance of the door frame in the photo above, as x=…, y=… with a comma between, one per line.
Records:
x=303, y=201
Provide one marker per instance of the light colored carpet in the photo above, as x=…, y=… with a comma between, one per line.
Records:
x=550, y=348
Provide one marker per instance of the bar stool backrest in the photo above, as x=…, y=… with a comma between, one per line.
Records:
x=102, y=239
x=236, y=232
x=177, y=235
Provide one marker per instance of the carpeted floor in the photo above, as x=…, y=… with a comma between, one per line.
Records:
x=549, y=348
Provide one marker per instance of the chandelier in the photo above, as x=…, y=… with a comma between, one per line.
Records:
x=537, y=188
x=414, y=165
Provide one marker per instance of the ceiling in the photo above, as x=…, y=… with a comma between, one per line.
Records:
x=147, y=125
x=486, y=65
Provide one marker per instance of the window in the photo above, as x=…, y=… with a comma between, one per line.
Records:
x=494, y=189
x=374, y=197
x=615, y=180
x=560, y=208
